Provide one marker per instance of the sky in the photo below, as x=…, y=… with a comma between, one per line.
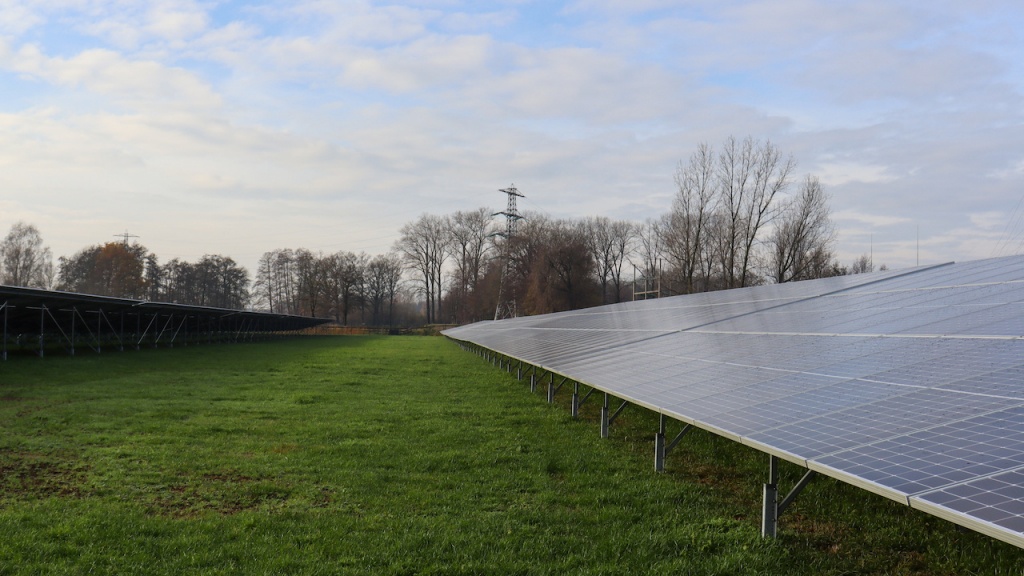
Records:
x=236, y=128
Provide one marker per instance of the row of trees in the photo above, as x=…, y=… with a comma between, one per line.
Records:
x=345, y=286
x=732, y=223
x=739, y=218
x=121, y=270
x=735, y=221
x=131, y=271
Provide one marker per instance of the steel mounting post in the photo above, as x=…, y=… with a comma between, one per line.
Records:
x=772, y=506
x=606, y=418
x=42, y=331
x=661, y=449
x=576, y=400
x=5, y=331
x=552, y=389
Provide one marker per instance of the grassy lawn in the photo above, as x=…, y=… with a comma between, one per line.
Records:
x=398, y=455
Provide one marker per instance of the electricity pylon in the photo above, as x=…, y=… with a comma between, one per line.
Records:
x=506, y=296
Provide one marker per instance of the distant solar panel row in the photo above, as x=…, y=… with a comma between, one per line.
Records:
x=909, y=384
x=29, y=315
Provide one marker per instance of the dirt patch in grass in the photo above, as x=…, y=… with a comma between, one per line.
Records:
x=724, y=480
x=222, y=493
x=28, y=475
x=228, y=477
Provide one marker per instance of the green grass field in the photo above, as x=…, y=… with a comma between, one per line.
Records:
x=398, y=455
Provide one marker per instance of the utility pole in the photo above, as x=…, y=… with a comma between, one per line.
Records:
x=506, y=307
x=126, y=236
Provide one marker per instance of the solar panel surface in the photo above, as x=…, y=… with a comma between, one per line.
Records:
x=909, y=384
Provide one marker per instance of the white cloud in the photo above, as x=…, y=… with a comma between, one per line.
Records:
x=1014, y=171
x=110, y=74
x=987, y=220
x=874, y=220
x=424, y=64
x=839, y=173
x=16, y=18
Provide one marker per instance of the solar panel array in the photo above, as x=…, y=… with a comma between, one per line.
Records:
x=909, y=384
x=27, y=314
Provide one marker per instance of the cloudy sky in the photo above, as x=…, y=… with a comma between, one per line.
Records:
x=240, y=127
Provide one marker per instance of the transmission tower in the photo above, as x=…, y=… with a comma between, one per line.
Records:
x=126, y=236
x=506, y=297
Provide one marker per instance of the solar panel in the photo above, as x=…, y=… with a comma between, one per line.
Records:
x=909, y=384
x=30, y=315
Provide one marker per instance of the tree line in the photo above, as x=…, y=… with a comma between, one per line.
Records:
x=350, y=288
x=739, y=217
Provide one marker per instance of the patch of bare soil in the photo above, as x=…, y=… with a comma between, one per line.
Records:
x=223, y=493
x=26, y=475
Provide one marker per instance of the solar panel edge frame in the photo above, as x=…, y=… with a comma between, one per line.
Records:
x=617, y=394
x=859, y=482
x=967, y=521
x=772, y=451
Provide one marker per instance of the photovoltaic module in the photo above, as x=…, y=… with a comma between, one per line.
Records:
x=909, y=384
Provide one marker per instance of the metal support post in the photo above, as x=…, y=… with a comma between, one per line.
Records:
x=71, y=341
x=575, y=400
x=661, y=448
x=770, y=494
x=42, y=331
x=659, y=445
x=604, y=417
x=552, y=389
x=5, y=331
x=583, y=399
x=773, y=507
x=519, y=371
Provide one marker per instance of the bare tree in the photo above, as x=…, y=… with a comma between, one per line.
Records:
x=609, y=242
x=309, y=272
x=563, y=275
x=286, y=280
x=263, y=289
x=383, y=279
x=686, y=232
x=422, y=247
x=350, y=277
x=24, y=261
x=751, y=174
x=862, y=265
x=647, y=257
x=469, y=245
x=623, y=234
x=801, y=242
